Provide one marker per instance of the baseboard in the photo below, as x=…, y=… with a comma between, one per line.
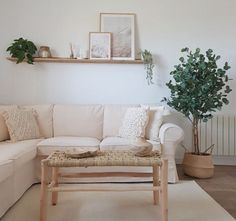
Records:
x=218, y=160
x=224, y=160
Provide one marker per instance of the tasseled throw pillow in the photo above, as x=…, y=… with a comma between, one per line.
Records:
x=21, y=124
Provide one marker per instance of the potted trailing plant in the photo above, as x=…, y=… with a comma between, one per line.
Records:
x=148, y=65
x=200, y=88
x=22, y=49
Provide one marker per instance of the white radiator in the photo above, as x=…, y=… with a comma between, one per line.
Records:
x=221, y=131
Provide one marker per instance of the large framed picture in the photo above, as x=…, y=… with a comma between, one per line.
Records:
x=122, y=27
x=100, y=45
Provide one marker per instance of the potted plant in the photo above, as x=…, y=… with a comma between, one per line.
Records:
x=22, y=49
x=148, y=65
x=200, y=88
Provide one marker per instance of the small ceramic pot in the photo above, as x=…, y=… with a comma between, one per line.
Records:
x=44, y=52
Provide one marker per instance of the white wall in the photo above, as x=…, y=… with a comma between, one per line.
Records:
x=163, y=27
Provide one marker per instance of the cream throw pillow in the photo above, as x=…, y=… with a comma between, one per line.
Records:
x=134, y=123
x=155, y=121
x=44, y=118
x=4, y=134
x=21, y=124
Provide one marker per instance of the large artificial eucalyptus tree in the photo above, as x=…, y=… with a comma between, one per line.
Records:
x=200, y=87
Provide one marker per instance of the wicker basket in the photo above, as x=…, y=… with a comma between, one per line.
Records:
x=199, y=166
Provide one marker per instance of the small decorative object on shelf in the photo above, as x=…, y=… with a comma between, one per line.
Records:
x=44, y=52
x=83, y=54
x=148, y=65
x=72, y=54
x=22, y=49
x=74, y=51
x=100, y=45
x=122, y=28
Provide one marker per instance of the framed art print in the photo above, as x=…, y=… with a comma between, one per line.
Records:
x=100, y=45
x=122, y=27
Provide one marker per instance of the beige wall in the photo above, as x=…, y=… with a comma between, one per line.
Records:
x=163, y=27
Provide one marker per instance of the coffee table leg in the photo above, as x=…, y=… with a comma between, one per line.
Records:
x=55, y=179
x=164, y=190
x=43, y=193
x=155, y=172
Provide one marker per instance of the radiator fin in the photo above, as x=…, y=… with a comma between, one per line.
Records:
x=221, y=131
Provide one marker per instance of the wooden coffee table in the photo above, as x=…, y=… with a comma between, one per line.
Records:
x=58, y=160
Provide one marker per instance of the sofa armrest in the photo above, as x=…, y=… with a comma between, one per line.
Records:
x=170, y=136
x=171, y=133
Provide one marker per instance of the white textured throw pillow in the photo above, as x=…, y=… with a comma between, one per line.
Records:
x=21, y=124
x=154, y=123
x=134, y=123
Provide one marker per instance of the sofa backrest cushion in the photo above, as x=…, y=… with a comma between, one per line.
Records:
x=78, y=120
x=113, y=117
x=4, y=134
x=45, y=119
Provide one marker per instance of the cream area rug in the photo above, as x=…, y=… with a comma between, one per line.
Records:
x=187, y=202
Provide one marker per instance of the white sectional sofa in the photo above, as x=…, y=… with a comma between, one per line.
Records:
x=66, y=126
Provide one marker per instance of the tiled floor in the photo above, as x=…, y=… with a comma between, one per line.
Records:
x=222, y=187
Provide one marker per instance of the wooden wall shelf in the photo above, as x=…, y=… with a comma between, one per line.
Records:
x=88, y=61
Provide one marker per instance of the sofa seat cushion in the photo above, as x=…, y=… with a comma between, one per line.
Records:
x=119, y=143
x=19, y=152
x=6, y=169
x=50, y=145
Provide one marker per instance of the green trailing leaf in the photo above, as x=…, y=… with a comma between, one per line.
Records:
x=199, y=87
x=225, y=100
x=22, y=49
x=148, y=65
x=228, y=89
x=226, y=66
x=181, y=59
x=184, y=49
x=197, y=51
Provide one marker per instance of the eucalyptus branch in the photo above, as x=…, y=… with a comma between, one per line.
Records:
x=190, y=119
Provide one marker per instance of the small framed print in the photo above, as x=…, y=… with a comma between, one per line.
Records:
x=100, y=45
x=122, y=27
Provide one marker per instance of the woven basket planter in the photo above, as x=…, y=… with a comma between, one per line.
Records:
x=199, y=166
